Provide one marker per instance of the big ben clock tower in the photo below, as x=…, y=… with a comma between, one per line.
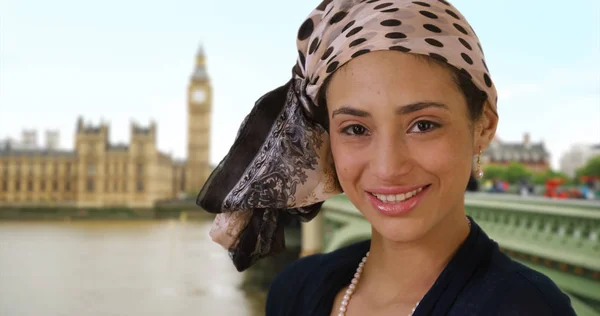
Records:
x=199, y=112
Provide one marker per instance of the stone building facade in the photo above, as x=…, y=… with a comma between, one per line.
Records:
x=100, y=174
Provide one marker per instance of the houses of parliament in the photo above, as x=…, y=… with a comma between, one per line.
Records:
x=97, y=173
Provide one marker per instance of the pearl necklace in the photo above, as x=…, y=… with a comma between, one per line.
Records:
x=354, y=282
x=352, y=287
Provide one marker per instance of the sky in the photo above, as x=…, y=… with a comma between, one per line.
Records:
x=121, y=61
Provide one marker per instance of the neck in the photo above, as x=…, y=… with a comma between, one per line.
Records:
x=402, y=272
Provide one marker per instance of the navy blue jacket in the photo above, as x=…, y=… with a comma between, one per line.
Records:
x=478, y=280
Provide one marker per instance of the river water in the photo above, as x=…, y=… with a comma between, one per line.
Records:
x=128, y=268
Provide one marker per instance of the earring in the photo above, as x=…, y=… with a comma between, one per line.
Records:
x=478, y=171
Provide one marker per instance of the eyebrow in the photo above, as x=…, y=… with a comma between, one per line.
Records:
x=403, y=110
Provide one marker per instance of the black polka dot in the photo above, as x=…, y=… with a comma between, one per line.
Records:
x=383, y=5
x=395, y=35
x=372, y=1
x=434, y=42
x=306, y=29
x=338, y=17
x=444, y=2
x=327, y=53
x=357, y=41
x=428, y=14
x=302, y=58
x=423, y=4
x=465, y=43
x=390, y=22
x=360, y=52
x=461, y=29
x=332, y=67
x=488, y=81
x=323, y=5
x=485, y=65
x=400, y=48
x=314, y=45
x=438, y=57
x=349, y=25
x=390, y=10
x=452, y=14
x=465, y=73
x=467, y=58
x=354, y=31
x=315, y=80
x=432, y=28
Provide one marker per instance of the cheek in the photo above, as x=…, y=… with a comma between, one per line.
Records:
x=447, y=158
x=347, y=163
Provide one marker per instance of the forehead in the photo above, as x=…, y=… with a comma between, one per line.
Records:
x=391, y=74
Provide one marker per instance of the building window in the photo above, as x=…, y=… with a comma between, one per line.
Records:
x=18, y=169
x=90, y=185
x=4, y=185
x=55, y=169
x=43, y=168
x=30, y=169
x=140, y=169
x=29, y=185
x=68, y=168
x=54, y=186
x=124, y=186
x=42, y=185
x=115, y=186
x=18, y=186
x=91, y=169
x=140, y=186
x=68, y=186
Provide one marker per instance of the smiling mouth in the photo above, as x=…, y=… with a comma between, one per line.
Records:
x=400, y=197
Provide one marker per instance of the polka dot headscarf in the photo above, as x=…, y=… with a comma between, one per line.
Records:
x=280, y=166
x=337, y=31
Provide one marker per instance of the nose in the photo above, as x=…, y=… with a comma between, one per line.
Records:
x=391, y=159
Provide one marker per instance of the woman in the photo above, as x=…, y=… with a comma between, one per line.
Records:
x=389, y=103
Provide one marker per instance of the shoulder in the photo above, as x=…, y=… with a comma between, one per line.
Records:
x=523, y=291
x=307, y=275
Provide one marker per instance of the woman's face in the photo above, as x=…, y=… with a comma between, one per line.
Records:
x=402, y=141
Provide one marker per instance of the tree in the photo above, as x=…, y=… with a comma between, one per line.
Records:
x=516, y=172
x=591, y=168
x=494, y=172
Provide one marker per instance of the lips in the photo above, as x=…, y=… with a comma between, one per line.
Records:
x=397, y=201
x=399, y=197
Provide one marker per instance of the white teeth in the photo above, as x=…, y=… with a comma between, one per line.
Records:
x=393, y=198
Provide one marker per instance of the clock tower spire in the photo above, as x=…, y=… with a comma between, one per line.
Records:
x=199, y=112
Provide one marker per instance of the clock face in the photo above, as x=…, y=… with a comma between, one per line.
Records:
x=199, y=96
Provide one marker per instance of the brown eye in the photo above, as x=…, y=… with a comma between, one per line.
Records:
x=355, y=130
x=358, y=130
x=424, y=126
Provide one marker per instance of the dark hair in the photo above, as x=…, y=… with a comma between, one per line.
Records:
x=474, y=96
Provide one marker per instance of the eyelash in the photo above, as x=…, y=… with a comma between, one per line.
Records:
x=433, y=126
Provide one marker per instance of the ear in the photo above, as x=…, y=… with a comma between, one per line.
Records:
x=485, y=128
